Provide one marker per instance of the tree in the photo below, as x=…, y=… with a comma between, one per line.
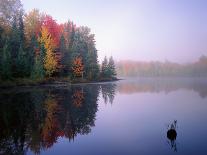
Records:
x=6, y=62
x=104, y=68
x=92, y=67
x=84, y=46
x=38, y=71
x=33, y=49
x=21, y=30
x=111, y=68
x=14, y=39
x=50, y=63
x=66, y=44
x=61, y=59
x=9, y=9
x=53, y=29
x=77, y=67
x=22, y=63
x=32, y=23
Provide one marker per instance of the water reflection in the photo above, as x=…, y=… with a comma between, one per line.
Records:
x=167, y=85
x=172, y=135
x=108, y=92
x=34, y=119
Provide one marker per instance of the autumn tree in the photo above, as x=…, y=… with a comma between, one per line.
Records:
x=32, y=23
x=53, y=29
x=77, y=67
x=50, y=63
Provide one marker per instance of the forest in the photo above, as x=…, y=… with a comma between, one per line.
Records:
x=34, y=46
x=162, y=69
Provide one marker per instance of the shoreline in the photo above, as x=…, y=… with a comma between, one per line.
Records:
x=52, y=82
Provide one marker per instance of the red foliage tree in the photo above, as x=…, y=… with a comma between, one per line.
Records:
x=54, y=29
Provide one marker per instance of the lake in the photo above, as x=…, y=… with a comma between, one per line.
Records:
x=128, y=117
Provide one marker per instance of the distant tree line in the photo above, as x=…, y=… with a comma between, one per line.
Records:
x=162, y=69
x=34, y=45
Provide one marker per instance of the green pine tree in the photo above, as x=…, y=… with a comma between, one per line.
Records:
x=22, y=62
x=33, y=46
x=38, y=69
x=6, y=62
x=65, y=56
x=104, y=68
x=111, y=68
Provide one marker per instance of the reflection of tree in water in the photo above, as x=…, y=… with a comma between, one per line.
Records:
x=35, y=119
x=156, y=85
x=172, y=135
x=108, y=92
x=78, y=97
x=51, y=123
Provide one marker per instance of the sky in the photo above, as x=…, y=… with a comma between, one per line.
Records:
x=145, y=30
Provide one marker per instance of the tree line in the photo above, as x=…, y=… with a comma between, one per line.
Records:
x=33, y=45
x=162, y=69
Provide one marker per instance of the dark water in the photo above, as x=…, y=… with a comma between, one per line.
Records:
x=134, y=116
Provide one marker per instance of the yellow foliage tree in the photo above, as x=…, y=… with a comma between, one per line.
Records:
x=50, y=62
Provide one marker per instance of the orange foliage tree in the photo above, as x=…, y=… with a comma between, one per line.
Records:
x=78, y=67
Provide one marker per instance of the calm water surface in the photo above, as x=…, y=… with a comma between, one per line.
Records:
x=128, y=117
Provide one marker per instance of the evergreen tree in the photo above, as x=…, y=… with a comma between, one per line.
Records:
x=1, y=45
x=92, y=67
x=15, y=43
x=33, y=47
x=6, y=62
x=1, y=39
x=64, y=57
x=38, y=71
x=111, y=68
x=104, y=68
x=21, y=30
x=22, y=62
